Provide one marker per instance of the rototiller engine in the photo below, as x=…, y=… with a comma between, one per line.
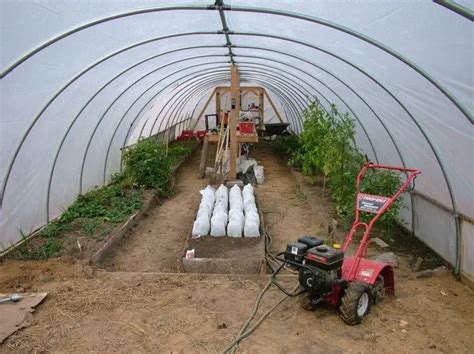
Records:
x=352, y=283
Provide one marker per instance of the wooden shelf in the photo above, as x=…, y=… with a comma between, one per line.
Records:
x=241, y=138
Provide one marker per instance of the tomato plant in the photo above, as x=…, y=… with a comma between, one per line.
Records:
x=327, y=147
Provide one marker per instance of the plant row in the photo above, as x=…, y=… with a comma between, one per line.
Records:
x=147, y=165
x=327, y=148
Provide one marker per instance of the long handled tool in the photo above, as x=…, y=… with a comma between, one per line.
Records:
x=12, y=298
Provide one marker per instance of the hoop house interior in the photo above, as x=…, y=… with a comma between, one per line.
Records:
x=80, y=82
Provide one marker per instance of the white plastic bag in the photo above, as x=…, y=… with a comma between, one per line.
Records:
x=218, y=217
x=234, y=212
x=249, y=204
x=208, y=192
x=251, y=228
x=218, y=224
x=207, y=205
x=259, y=175
x=252, y=217
x=220, y=208
x=201, y=226
x=235, y=192
x=222, y=194
x=236, y=224
x=203, y=212
x=248, y=189
x=251, y=209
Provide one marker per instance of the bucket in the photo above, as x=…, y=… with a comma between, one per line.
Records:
x=259, y=176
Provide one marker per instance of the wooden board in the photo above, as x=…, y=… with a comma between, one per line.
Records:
x=241, y=138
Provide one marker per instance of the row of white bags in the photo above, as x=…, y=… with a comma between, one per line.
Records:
x=219, y=215
x=202, y=224
x=236, y=213
x=252, y=219
x=212, y=217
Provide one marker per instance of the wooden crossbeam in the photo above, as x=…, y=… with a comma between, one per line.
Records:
x=203, y=109
x=273, y=106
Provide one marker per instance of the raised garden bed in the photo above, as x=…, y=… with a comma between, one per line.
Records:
x=226, y=255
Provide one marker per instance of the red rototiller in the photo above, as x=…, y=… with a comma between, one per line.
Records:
x=352, y=283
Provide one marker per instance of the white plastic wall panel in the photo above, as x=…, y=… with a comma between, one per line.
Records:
x=405, y=213
x=49, y=69
x=467, y=255
x=423, y=31
x=269, y=112
x=309, y=84
x=47, y=19
x=402, y=82
x=430, y=220
x=162, y=105
x=184, y=72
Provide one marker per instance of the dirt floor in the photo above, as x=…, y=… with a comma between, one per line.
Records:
x=128, y=306
x=157, y=242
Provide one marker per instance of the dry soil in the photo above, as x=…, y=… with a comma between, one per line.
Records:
x=131, y=304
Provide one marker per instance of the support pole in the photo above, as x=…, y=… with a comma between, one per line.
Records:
x=204, y=154
x=218, y=106
x=234, y=112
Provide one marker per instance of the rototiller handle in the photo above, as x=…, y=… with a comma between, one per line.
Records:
x=411, y=175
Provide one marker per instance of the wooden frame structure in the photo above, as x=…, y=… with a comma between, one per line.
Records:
x=235, y=138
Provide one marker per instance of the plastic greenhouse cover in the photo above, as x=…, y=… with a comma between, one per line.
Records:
x=103, y=87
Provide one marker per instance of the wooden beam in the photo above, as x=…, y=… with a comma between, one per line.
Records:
x=242, y=88
x=255, y=88
x=218, y=106
x=234, y=112
x=223, y=89
x=204, y=154
x=273, y=106
x=204, y=109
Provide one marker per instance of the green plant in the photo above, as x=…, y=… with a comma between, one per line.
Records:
x=326, y=146
x=289, y=146
x=51, y=247
x=149, y=164
x=385, y=183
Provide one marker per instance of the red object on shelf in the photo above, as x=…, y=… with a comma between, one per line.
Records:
x=200, y=134
x=189, y=134
x=185, y=135
x=247, y=127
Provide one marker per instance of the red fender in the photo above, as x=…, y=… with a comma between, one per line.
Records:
x=368, y=271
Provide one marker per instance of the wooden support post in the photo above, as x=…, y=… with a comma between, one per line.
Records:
x=261, y=109
x=204, y=109
x=218, y=106
x=273, y=106
x=204, y=154
x=234, y=112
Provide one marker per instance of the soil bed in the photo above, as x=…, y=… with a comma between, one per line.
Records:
x=226, y=247
x=139, y=310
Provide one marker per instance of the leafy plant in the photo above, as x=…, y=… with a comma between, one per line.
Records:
x=326, y=146
x=290, y=146
x=149, y=164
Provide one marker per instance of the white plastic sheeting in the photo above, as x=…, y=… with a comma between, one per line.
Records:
x=79, y=82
